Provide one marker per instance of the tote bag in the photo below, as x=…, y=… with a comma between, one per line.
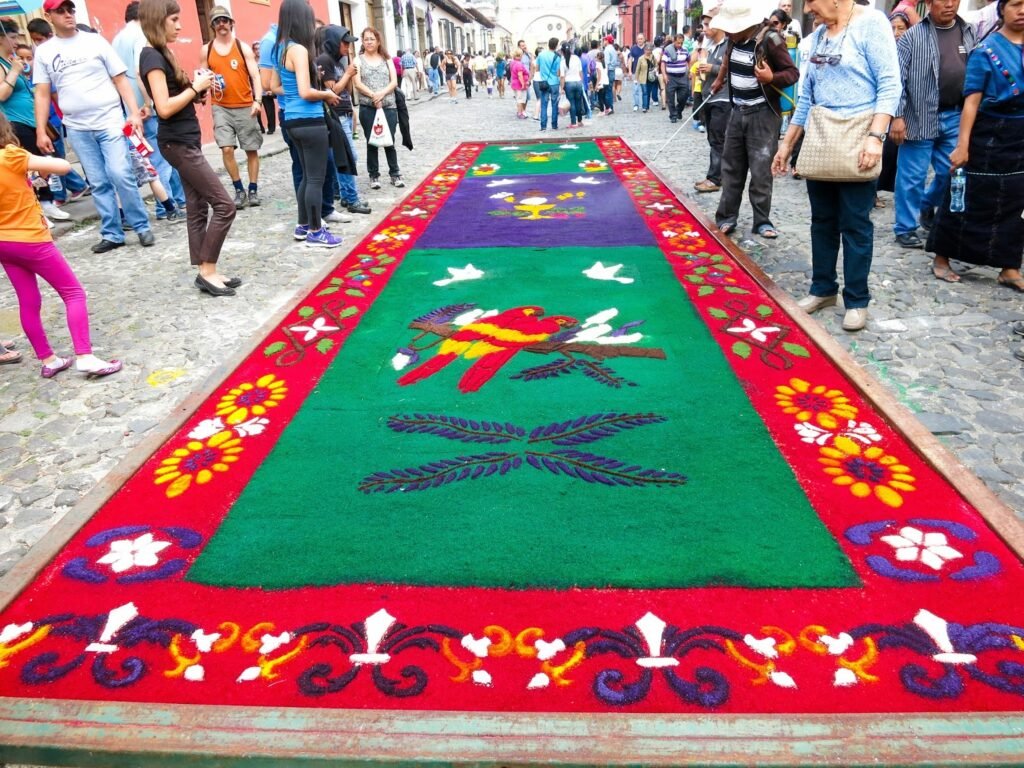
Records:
x=380, y=133
x=832, y=145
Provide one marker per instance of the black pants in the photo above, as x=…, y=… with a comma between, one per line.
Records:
x=677, y=91
x=309, y=137
x=27, y=138
x=366, y=115
x=698, y=99
x=716, y=120
x=203, y=191
x=751, y=141
x=270, y=107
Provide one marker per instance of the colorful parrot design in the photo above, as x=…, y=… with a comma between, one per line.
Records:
x=490, y=342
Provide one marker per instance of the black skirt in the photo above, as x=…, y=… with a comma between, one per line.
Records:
x=990, y=231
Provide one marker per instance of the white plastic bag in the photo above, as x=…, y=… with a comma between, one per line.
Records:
x=380, y=133
x=563, y=105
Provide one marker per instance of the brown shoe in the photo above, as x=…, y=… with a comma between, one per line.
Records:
x=706, y=186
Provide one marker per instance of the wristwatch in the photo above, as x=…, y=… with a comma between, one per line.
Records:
x=880, y=136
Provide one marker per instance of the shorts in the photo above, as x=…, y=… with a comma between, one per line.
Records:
x=618, y=74
x=520, y=97
x=236, y=128
x=142, y=168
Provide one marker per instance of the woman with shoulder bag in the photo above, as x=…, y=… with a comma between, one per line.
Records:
x=852, y=91
x=647, y=76
x=376, y=81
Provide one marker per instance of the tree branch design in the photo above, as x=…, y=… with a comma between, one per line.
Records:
x=567, y=462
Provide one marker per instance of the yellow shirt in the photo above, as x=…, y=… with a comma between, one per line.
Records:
x=21, y=218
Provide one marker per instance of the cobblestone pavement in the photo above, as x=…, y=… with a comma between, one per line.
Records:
x=945, y=351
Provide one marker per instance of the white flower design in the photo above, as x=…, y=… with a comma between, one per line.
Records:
x=314, y=329
x=757, y=333
x=861, y=431
x=252, y=427
x=660, y=206
x=206, y=428
x=400, y=361
x=912, y=545
x=138, y=553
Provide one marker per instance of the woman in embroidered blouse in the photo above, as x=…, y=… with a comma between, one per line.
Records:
x=376, y=81
x=990, y=149
x=854, y=70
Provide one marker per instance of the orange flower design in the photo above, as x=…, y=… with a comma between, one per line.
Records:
x=828, y=407
x=197, y=462
x=867, y=471
x=248, y=398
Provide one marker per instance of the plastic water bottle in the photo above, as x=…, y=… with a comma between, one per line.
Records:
x=54, y=182
x=957, y=190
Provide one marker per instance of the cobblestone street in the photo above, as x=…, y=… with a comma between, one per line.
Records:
x=943, y=350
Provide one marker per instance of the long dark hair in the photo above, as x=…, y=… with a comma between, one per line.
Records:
x=152, y=17
x=296, y=24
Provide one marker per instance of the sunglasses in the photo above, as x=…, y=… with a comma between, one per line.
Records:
x=826, y=58
x=220, y=20
x=68, y=9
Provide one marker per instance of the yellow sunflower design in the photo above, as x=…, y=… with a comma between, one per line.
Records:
x=251, y=399
x=828, y=407
x=867, y=471
x=197, y=462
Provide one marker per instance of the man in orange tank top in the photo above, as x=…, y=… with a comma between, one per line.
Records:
x=237, y=104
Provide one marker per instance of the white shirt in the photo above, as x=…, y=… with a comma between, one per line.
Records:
x=80, y=69
x=574, y=74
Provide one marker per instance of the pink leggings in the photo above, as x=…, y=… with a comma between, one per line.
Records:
x=23, y=262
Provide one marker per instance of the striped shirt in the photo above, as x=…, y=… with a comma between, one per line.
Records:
x=918, y=51
x=677, y=62
x=743, y=85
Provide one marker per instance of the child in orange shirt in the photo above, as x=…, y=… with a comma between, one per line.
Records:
x=27, y=251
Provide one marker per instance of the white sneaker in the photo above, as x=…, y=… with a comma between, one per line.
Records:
x=811, y=304
x=53, y=212
x=336, y=217
x=855, y=319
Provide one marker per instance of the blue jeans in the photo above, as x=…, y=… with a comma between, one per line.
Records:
x=104, y=157
x=912, y=171
x=650, y=91
x=574, y=93
x=841, y=210
x=347, y=184
x=71, y=182
x=550, y=97
x=638, y=92
x=435, y=80
x=168, y=176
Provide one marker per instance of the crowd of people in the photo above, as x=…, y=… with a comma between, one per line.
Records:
x=128, y=110
x=936, y=94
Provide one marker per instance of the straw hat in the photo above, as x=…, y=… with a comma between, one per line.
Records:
x=737, y=15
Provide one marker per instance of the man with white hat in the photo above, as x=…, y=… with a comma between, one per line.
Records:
x=236, y=105
x=756, y=67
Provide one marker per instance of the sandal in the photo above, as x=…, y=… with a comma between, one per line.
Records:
x=9, y=357
x=947, y=274
x=767, y=231
x=726, y=229
x=8, y=344
x=1016, y=283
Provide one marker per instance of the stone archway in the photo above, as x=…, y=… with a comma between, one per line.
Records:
x=545, y=26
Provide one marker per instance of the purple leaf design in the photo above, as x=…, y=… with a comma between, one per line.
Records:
x=454, y=428
x=592, y=468
x=440, y=473
x=445, y=314
x=588, y=429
